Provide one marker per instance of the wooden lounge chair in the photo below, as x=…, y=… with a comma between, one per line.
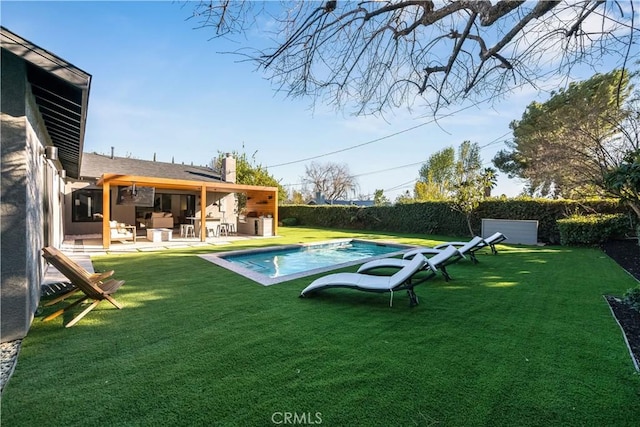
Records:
x=94, y=286
x=94, y=278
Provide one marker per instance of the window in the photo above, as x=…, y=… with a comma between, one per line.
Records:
x=162, y=203
x=86, y=205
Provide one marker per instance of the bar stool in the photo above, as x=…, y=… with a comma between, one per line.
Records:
x=212, y=231
x=187, y=230
x=231, y=228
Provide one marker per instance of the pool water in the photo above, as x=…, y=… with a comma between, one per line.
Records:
x=277, y=264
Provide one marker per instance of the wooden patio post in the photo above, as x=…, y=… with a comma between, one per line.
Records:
x=275, y=213
x=106, y=209
x=203, y=213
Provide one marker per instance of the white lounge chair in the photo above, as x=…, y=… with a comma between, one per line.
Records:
x=439, y=261
x=401, y=280
x=493, y=240
x=465, y=248
x=490, y=241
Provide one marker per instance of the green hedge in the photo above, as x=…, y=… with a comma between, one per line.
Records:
x=591, y=229
x=632, y=297
x=439, y=218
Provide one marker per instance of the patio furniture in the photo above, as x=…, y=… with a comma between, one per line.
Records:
x=213, y=230
x=229, y=228
x=493, y=240
x=187, y=230
x=95, y=291
x=465, y=248
x=159, y=234
x=401, y=280
x=223, y=228
x=438, y=262
x=211, y=224
x=158, y=220
x=122, y=231
x=91, y=277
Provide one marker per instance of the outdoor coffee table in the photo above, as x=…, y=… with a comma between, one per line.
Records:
x=159, y=234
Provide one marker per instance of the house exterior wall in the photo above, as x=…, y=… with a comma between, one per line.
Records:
x=120, y=213
x=78, y=228
x=28, y=220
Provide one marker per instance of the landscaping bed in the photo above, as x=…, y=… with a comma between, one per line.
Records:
x=627, y=254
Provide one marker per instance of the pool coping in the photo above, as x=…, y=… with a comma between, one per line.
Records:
x=217, y=259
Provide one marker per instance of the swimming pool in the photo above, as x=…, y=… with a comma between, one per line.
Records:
x=272, y=265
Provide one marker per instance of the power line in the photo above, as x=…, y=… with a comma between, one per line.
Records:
x=348, y=148
x=366, y=173
x=475, y=104
x=495, y=141
x=401, y=186
x=387, y=170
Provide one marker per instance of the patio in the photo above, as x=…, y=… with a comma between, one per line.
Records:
x=93, y=244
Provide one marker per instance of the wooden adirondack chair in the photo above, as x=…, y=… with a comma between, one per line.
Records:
x=94, y=278
x=94, y=286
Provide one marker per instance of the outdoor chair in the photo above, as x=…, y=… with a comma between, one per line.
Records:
x=493, y=240
x=401, y=280
x=93, y=289
x=437, y=262
x=465, y=248
x=121, y=231
x=94, y=278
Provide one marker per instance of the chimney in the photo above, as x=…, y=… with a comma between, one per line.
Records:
x=229, y=169
x=112, y=148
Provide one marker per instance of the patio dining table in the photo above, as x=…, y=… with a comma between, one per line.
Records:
x=211, y=224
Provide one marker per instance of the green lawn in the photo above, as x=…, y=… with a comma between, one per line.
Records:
x=523, y=338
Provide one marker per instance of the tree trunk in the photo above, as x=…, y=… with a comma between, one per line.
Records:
x=469, y=225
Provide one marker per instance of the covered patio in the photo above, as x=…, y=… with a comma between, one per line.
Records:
x=260, y=200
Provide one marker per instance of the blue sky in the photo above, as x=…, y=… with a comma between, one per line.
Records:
x=160, y=87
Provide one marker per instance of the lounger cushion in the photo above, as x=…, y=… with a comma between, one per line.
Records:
x=496, y=237
x=441, y=257
x=367, y=282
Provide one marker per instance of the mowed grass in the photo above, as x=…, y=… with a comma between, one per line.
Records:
x=523, y=338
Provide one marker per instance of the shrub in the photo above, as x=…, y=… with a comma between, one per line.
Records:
x=289, y=222
x=632, y=297
x=437, y=217
x=591, y=229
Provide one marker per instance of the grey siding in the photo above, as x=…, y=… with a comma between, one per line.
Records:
x=26, y=206
x=16, y=299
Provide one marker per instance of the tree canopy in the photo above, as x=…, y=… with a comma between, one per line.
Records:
x=564, y=146
x=375, y=55
x=436, y=175
x=624, y=180
x=331, y=180
x=444, y=171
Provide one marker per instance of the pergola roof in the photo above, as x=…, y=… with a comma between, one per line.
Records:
x=183, y=184
x=203, y=187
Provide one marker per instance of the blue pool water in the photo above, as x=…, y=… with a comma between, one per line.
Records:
x=273, y=265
